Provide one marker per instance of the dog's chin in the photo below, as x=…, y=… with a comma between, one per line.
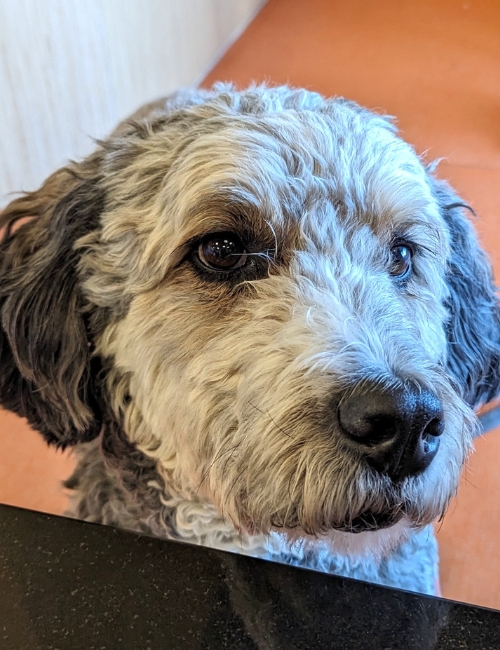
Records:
x=370, y=522
x=363, y=537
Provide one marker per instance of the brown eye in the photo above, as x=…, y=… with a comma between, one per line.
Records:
x=401, y=261
x=222, y=251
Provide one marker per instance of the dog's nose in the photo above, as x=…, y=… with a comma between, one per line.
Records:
x=397, y=429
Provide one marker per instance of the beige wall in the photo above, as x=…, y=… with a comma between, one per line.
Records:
x=71, y=69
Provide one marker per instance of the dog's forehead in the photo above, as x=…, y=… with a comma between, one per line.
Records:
x=295, y=172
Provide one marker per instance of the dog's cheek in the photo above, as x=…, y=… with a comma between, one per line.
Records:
x=426, y=317
x=175, y=387
x=195, y=379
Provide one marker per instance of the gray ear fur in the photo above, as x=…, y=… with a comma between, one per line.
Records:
x=474, y=325
x=46, y=372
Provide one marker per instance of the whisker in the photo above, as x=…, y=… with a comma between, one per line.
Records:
x=470, y=482
x=460, y=204
x=275, y=238
x=234, y=482
x=218, y=457
x=272, y=420
x=266, y=255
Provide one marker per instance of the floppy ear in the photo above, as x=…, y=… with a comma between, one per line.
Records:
x=474, y=325
x=46, y=372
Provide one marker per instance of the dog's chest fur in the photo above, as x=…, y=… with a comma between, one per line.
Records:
x=128, y=493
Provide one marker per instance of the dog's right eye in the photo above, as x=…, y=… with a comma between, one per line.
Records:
x=401, y=261
x=223, y=251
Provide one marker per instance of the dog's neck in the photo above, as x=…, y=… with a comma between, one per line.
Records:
x=115, y=484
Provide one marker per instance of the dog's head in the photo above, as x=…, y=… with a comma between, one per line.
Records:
x=274, y=299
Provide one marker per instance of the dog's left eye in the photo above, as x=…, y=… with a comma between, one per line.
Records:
x=401, y=261
x=222, y=251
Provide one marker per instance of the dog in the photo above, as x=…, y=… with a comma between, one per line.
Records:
x=262, y=323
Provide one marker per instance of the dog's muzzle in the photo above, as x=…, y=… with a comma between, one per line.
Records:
x=397, y=430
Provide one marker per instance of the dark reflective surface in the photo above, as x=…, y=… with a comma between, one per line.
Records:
x=67, y=585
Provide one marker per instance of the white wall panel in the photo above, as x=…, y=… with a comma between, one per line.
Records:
x=71, y=69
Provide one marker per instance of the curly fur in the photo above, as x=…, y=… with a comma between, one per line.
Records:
x=203, y=407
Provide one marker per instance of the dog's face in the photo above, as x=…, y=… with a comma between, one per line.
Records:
x=292, y=316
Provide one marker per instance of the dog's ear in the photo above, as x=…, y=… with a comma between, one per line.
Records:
x=474, y=325
x=46, y=372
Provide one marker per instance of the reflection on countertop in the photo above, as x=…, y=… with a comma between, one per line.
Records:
x=68, y=584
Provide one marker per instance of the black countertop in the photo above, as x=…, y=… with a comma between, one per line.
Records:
x=68, y=585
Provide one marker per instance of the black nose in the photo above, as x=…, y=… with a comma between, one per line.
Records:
x=397, y=429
